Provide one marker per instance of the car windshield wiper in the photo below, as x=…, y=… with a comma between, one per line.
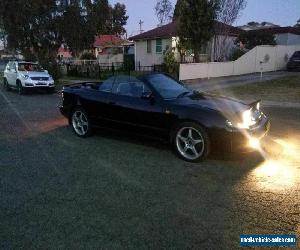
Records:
x=183, y=94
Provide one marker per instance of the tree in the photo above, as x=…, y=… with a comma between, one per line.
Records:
x=253, y=23
x=119, y=19
x=99, y=16
x=163, y=10
x=297, y=25
x=2, y=33
x=227, y=13
x=75, y=30
x=253, y=38
x=34, y=32
x=44, y=25
x=33, y=29
x=195, y=23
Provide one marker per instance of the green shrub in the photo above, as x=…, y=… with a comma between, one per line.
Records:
x=52, y=67
x=170, y=63
x=87, y=56
x=236, y=54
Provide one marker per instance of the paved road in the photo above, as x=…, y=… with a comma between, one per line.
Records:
x=116, y=191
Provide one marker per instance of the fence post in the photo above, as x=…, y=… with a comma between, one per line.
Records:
x=261, y=70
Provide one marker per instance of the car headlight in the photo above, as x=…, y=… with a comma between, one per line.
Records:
x=248, y=118
x=25, y=76
x=50, y=78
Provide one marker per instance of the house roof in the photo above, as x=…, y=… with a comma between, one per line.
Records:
x=169, y=30
x=108, y=41
x=65, y=52
x=283, y=30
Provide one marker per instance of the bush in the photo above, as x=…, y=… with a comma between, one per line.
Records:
x=87, y=56
x=53, y=68
x=236, y=54
x=170, y=63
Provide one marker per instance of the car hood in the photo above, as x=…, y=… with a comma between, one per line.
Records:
x=35, y=73
x=222, y=104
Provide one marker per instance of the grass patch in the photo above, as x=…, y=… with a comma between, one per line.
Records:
x=285, y=89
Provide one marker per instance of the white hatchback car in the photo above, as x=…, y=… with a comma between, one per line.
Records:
x=22, y=75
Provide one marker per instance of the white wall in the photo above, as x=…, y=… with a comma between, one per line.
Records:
x=249, y=63
x=110, y=58
x=148, y=59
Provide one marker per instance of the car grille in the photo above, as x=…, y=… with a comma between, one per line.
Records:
x=40, y=78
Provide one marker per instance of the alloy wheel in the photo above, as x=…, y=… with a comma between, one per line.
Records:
x=80, y=123
x=190, y=143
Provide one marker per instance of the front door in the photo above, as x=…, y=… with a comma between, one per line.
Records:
x=130, y=107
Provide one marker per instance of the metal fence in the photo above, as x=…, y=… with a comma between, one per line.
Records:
x=91, y=69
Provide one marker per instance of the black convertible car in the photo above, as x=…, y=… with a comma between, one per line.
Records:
x=195, y=123
x=294, y=62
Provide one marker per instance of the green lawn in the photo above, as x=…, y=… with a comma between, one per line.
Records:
x=284, y=89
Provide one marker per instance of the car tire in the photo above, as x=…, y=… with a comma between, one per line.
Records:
x=20, y=88
x=190, y=142
x=80, y=123
x=6, y=85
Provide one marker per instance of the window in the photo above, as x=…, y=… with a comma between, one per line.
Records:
x=13, y=67
x=158, y=45
x=130, y=86
x=166, y=86
x=107, y=85
x=296, y=54
x=149, y=46
x=30, y=67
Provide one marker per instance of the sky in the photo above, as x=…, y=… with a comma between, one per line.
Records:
x=281, y=12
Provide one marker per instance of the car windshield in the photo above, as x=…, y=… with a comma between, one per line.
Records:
x=296, y=54
x=30, y=67
x=167, y=87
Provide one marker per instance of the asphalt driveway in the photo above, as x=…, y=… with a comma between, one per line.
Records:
x=120, y=191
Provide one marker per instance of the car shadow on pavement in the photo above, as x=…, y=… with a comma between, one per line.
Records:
x=162, y=143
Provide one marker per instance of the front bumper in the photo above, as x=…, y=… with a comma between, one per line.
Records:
x=37, y=84
x=293, y=65
x=39, y=87
x=240, y=138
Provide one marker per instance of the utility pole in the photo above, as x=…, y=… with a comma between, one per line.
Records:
x=141, y=23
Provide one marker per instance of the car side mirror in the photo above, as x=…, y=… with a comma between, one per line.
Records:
x=46, y=71
x=147, y=95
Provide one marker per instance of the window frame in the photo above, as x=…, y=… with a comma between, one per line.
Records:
x=158, y=46
x=130, y=83
x=110, y=90
x=149, y=46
